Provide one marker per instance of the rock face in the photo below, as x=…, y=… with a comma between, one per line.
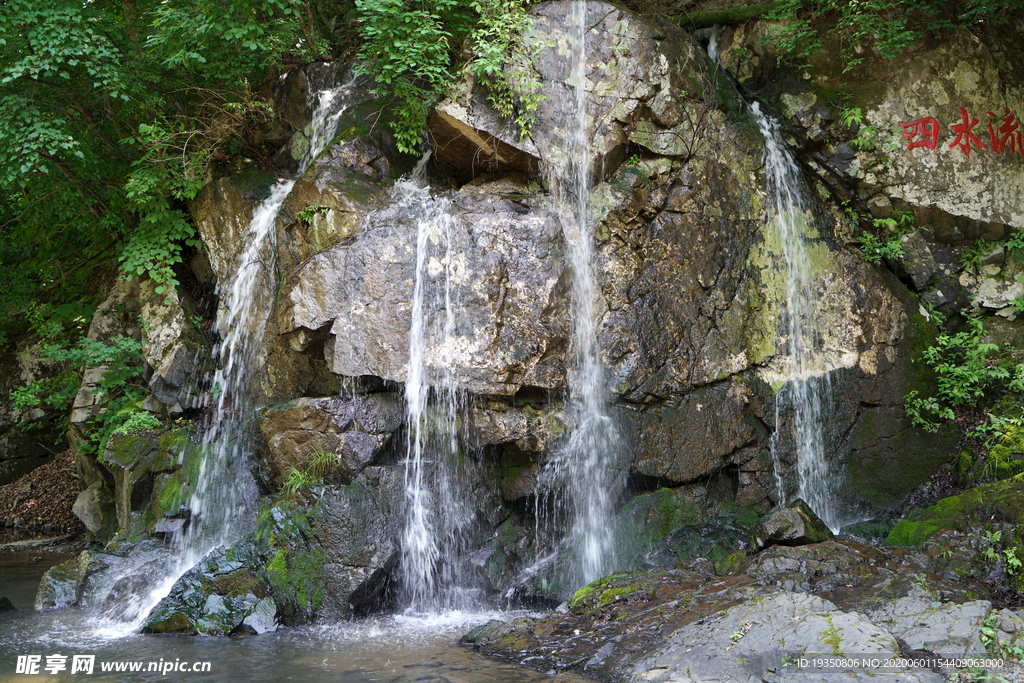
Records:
x=690, y=298
x=352, y=430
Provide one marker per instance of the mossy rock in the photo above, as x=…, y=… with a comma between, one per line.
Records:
x=623, y=587
x=1002, y=501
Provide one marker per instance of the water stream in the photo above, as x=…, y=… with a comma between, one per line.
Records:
x=799, y=414
x=586, y=462
x=223, y=503
x=435, y=504
x=396, y=649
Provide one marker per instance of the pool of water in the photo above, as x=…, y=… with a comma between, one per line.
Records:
x=392, y=649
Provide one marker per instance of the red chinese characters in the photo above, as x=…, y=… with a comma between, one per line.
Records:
x=928, y=128
x=1004, y=133
x=1009, y=132
x=964, y=135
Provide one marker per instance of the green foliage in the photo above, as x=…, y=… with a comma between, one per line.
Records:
x=410, y=48
x=971, y=258
x=503, y=64
x=112, y=117
x=965, y=368
x=875, y=250
x=307, y=214
x=886, y=26
x=891, y=246
x=881, y=24
x=407, y=49
x=989, y=636
x=119, y=391
x=295, y=479
x=138, y=421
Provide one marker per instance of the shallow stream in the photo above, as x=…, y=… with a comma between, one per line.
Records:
x=393, y=649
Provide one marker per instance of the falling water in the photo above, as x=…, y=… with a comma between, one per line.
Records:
x=585, y=465
x=221, y=504
x=435, y=509
x=806, y=385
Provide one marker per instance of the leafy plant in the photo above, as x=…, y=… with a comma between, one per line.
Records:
x=504, y=64
x=138, y=421
x=409, y=48
x=307, y=213
x=965, y=368
x=971, y=258
x=295, y=479
x=875, y=250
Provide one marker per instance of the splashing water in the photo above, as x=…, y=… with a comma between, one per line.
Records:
x=222, y=505
x=585, y=464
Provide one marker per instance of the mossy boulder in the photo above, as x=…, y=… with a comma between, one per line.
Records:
x=795, y=524
x=220, y=595
x=154, y=475
x=716, y=540
x=1001, y=501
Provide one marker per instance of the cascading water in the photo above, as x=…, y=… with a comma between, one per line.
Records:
x=806, y=385
x=435, y=510
x=222, y=503
x=586, y=463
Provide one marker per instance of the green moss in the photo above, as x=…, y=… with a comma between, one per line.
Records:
x=615, y=594
x=729, y=564
x=1000, y=501
x=586, y=593
x=171, y=498
x=830, y=637
x=964, y=464
x=277, y=568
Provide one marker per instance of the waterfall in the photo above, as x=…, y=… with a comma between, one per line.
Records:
x=435, y=509
x=807, y=386
x=585, y=464
x=222, y=503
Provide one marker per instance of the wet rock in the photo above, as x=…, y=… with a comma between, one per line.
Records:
x=721, y=540
x=918, y=263
x=359, y=527
x=354, y=430
x=796, y=524
x=6, y=605
x=710, y=430
x=754, y=619
x=216, y=596
x=153, y=475
x=70, y=583
x=506, y=267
